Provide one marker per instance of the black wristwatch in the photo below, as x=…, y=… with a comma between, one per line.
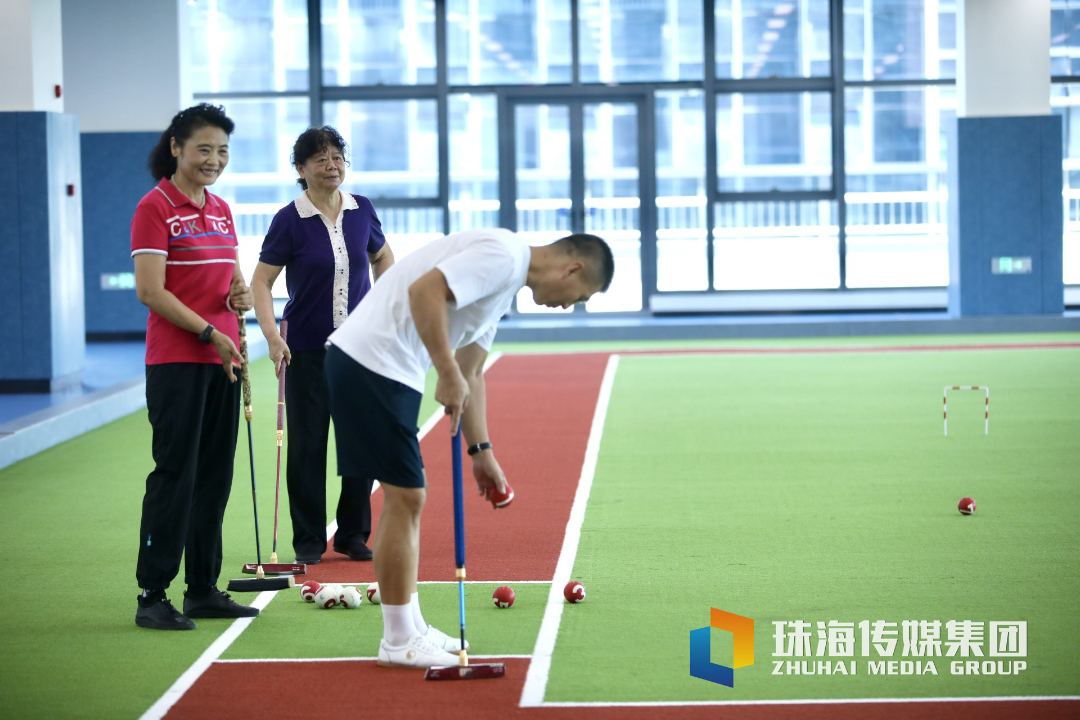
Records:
x=479, y=447
x=205, y=334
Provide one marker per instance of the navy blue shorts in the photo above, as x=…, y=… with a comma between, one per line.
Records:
x=374, y=423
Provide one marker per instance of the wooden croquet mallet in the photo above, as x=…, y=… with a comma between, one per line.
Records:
x=261, y=582
x=280, y=434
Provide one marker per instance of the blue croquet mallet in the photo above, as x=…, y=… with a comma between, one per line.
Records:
x=463, y=670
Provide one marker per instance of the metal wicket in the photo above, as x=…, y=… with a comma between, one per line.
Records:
x=945, y=404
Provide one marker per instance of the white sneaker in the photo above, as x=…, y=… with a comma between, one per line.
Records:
x=441, y=639
x=417, y=652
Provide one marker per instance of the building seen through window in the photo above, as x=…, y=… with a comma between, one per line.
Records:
x=775, y=201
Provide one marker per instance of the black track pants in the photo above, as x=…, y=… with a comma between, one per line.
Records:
x=307, y=410
x=194, y=411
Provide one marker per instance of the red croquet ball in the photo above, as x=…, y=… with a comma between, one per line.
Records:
x=503, y=596
x=308, y=590
x=574, y=592
x=499, y=499
x=966, y=506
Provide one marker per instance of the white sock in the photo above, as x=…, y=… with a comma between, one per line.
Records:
x=398, y=624
x=417, y=616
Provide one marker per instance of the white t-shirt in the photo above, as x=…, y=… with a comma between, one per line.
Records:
x=484, y=269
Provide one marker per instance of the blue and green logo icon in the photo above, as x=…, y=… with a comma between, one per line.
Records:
x=701, y=664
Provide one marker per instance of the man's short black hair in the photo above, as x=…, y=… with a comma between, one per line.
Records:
x=596, y=254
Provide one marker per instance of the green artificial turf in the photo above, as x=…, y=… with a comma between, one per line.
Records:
x=854, y=340
x=292, y=628
x=778, y=487
x=69, y=526
x=818, y=488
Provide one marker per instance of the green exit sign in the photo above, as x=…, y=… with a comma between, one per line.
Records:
x=118, y=281
x=1010, y=265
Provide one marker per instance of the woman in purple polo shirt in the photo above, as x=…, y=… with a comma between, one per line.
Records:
x=326, y=239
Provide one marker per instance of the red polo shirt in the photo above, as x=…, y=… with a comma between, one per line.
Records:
x=199, y=245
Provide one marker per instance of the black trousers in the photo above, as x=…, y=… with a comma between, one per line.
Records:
x=307, y=410
x=194, y=411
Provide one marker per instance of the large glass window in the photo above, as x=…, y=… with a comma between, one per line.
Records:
x=772, y=38
x=542, y=181
x=774, y=141
x=899, y=39
x=632, y=41
x=393, y=146
x=613, y=199
x=897, y=193
x=244, y=46
x=1065, y=101
x=378, y=43
x=681, y=238
x=508, y=43
x=762, y=211
x=1065, y=37
x=474, y=162
x=779, y=245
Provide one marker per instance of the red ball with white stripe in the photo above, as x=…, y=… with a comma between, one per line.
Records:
x=502, y=499
x=503, y=596
x=308, y=590
x=966, y=506
x=574, y=592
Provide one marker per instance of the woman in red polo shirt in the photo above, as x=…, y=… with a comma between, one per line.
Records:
x=184, y=246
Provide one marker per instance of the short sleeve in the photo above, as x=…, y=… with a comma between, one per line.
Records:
x=277, y=247
x=478, y=271
x=149, y=230
x=376, y=239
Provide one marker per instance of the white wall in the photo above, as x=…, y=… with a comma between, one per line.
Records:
x=31, y=55
x=1003, y=58
x=122, y=61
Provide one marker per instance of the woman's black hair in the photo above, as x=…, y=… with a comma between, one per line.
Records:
x=162, y=164
x=313, y=141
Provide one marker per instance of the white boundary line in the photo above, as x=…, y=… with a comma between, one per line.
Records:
x=211, y=654
x=354, y=659
x=467, y=582
x=532, y=694
x=219, y=646
x=817, y=701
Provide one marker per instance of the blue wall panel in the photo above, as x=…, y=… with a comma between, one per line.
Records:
x=10, y=250
x=1005, y=201
x=41, y=255
x=115, y=178
x=32, y=161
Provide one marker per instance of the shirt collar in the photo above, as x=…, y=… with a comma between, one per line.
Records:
x=307, y=209
x=177, y=198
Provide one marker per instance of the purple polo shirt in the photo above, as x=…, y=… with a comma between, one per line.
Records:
x=303, y=246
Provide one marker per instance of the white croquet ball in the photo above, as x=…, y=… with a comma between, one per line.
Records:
x=351, y=597
x=373, y=594
x=308, y=590
x=328, y=596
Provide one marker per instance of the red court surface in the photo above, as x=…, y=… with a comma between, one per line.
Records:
x=540, y=410
x=255, y=691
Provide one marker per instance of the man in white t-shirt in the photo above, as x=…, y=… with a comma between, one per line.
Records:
x=447, y=296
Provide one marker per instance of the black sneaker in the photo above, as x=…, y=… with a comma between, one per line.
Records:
x=216, y=604
x=309, y=557
x=355, y=549
x=157, y=613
